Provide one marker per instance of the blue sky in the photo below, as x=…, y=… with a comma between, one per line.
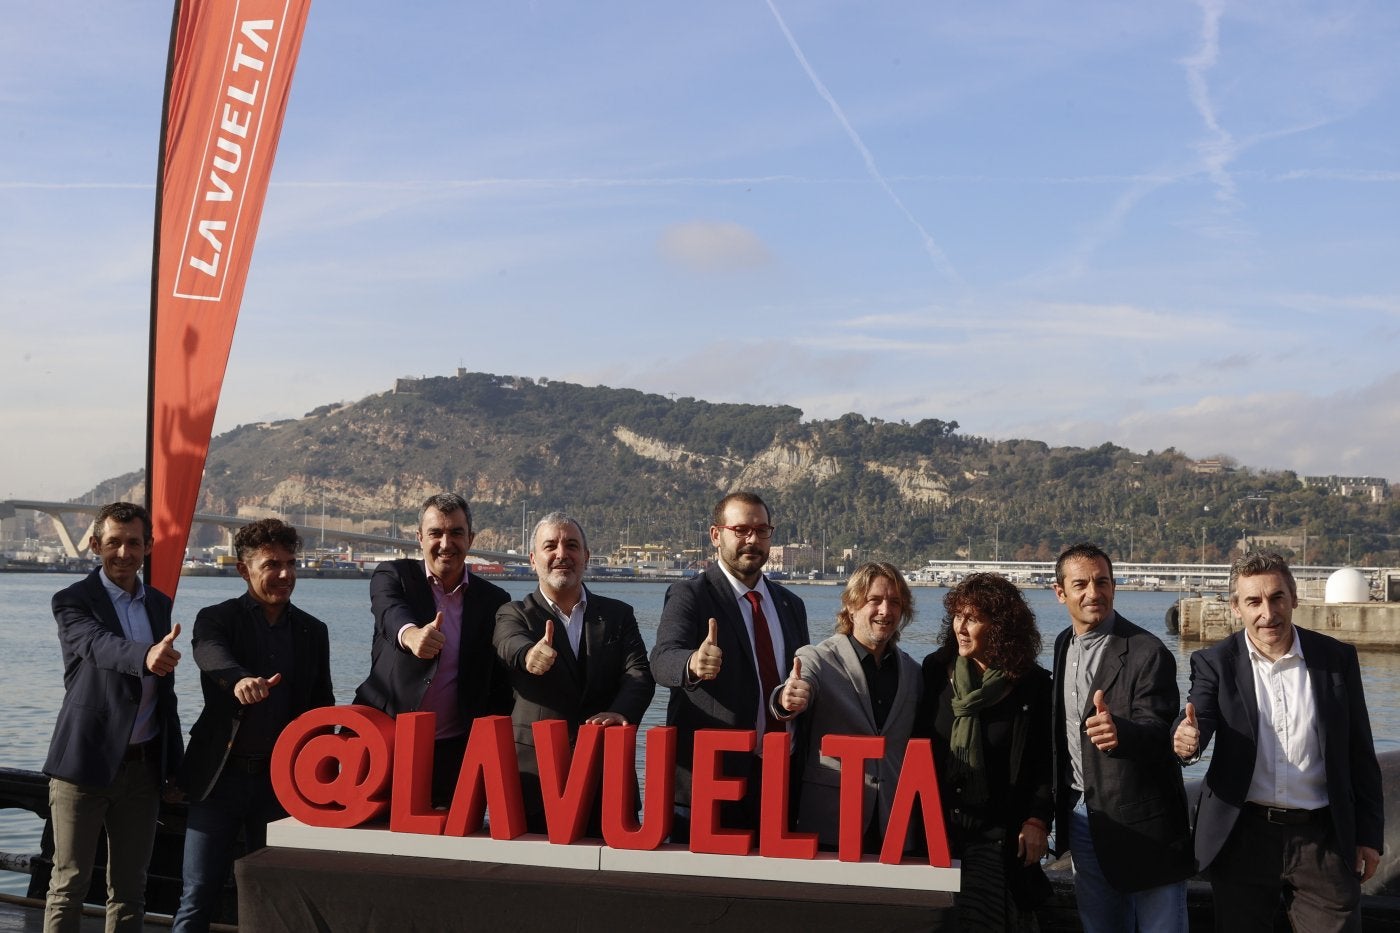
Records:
x=1165, y=224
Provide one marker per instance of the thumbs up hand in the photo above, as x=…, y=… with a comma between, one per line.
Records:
x=540, y=658
x=252, y=690
x=162, y=656
x=1100, y=727
x=426, y=641
x=705, y=661
x=1187, y=740
x=796, y=693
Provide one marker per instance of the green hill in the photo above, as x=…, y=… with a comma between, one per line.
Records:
x=640, y=468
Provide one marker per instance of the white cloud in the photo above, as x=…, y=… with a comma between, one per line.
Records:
x=713, y=246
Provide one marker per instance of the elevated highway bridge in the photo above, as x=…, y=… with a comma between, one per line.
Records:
x=358, y=540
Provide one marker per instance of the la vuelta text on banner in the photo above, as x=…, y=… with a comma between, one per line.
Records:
x=229, y=79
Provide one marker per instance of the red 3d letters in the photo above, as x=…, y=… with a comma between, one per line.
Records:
x=344, y=766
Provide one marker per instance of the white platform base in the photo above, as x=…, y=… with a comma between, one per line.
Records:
x=666, y=860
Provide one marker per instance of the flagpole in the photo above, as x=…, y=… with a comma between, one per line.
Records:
x=155, y=271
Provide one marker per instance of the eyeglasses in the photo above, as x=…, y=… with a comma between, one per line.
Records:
x=762, y=532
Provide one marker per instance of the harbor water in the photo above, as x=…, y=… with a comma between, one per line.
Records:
x=33, y=672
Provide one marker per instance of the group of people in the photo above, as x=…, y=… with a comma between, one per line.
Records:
x=1290, y=810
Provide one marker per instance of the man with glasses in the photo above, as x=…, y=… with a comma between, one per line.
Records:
x=726, y=641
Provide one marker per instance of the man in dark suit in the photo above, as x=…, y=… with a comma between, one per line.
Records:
x=432, y=638
x=117, y=739
x=262, y=663
x=1119, y=798
x=569, y=654
x=720, y=665
x=1291, y=807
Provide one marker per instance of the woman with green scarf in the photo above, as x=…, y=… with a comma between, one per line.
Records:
x=986, y=706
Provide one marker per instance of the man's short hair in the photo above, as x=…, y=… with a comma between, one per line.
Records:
x=266, y=532
x=446, y=503
x=858, y=588
x=557, y=518
x=121, y=513
x=747, y=498
x=1082, y=551
x=1255, y=565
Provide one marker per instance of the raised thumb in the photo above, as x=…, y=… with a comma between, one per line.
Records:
x=713, y=637
x=275, y=679
x=548, y=632
x=1100, y=706
x=437, y=622
x=174, y=634
x=1190, y=714
x=796, y=668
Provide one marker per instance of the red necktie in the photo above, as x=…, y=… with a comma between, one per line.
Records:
x=767, y=667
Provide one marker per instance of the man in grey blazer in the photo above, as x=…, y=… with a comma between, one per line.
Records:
x=569, y=654
x=857, y=682
x=715, y=658
x=1291, y=807
x=1119, y=798
x=117, y=739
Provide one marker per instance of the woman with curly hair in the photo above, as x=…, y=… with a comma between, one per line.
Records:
x=986, y=706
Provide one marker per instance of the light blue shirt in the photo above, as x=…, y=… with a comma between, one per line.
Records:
x=136, y=626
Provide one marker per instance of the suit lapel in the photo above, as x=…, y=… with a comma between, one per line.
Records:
x=1115, y=655
x=855, y=676
x=539, y=613
x=786, y=624
x=729, y=616
x=102, y=605
x=905, y=685
x=1243, y=670
x=1316, y=662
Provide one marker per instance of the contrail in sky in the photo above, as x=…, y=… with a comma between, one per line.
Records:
x=1221, y=149
x=931, y=247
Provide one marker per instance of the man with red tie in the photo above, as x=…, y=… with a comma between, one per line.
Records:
x=725, y=642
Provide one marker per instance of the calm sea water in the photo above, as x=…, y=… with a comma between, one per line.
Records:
x=33, y=673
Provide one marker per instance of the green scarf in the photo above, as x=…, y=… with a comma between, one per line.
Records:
x=973, y=690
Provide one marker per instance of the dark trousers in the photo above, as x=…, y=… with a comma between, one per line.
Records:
x=241, y=802
x=1264, y=864
x=743, y=813
x=447, y=764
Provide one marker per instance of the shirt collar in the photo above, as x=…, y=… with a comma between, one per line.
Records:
x=1294, y=651
x=117, y=593
x=433, y=579
x=255, y=608
x=740, y=588
x=581, y=605
x=863, y=653
x=1102, y=630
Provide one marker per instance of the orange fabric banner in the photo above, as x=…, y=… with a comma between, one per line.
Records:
x=230, y=74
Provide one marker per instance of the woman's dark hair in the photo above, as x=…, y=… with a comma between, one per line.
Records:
x=1012, y=637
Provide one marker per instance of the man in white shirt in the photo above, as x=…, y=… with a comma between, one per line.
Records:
x=569, y=654
x=1291, y=807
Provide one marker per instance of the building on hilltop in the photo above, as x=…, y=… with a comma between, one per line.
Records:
x=1372, y=488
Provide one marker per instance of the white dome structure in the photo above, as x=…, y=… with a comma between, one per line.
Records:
x=1347, y=585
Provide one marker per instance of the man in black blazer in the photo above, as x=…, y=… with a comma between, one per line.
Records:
x=705, y=651
x=432, y=638
x=1291, y=807
x=1119, y=798
x=262, y=663
x=569, y=654
x=117, y=739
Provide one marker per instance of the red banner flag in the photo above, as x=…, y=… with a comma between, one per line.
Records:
x=230, y=74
